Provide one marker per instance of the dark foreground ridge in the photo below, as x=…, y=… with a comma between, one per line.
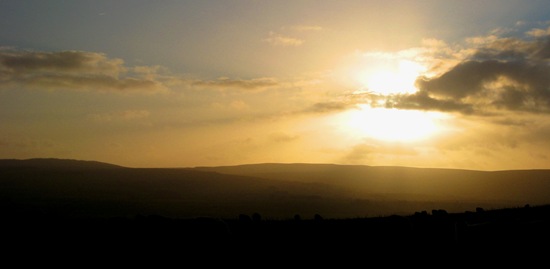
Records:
x=511, y=229
x=71, y=207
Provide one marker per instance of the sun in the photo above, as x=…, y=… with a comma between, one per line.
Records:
x=391, y=124
x=391, y=76
x=386, y=74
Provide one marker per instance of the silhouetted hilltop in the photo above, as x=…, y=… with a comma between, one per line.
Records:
x=45, y=163
x=79, y=207
x=75, y=188
x=90, y=189
x=514, y=186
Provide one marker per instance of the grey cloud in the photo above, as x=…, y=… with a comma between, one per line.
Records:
x=513, y=122
x=422, y=101
x=327, y=107
x=98, y=82
x=464, y=79
x=65, y=61
x=226, y=83
x=544, y=51
x=506, y=49
x=506, y=75
x=72, y=70
x=78, y=70
x=527, y=87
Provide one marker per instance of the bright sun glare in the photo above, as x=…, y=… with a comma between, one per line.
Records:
x=390, y=77
x=388, y=74
x=391, y=124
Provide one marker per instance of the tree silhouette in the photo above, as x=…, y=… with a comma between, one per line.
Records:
x=244, y=218
x=256, y=217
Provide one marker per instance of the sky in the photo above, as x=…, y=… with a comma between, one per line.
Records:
x=450, y=84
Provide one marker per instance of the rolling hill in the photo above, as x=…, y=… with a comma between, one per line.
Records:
x=514, y=186
x=84, y=189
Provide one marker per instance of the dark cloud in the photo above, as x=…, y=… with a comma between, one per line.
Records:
x=328, y=107
x=79, y=70
x=508, y=74
x=513, y=122
x=514, y=85
x=71, y=70
x=74, y=61
x=544, y=51
x=463, y=80
x=508, y=49
x=422, y=101
x=97, y=82
x=240, y=84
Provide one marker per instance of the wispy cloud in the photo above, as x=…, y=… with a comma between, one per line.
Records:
x=537, y=32
x=329, y=107
x=281, y=137
x=225, y=83
x=366, y=151
x=92, y=71
x=235, y=105
x=306, y=28
x=71, y=70
x=276, y=39
x=121, y=116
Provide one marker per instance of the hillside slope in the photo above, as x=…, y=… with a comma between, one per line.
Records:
x=514, y=186
x=70, y=188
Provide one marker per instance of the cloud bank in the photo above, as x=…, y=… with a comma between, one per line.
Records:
x=92, y=71
x=224, y=83
x=74, y=70
x=501, y=74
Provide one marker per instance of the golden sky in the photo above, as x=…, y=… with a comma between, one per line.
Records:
x=457, y=84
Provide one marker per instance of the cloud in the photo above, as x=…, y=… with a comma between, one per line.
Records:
x=306, y=28
x=369, y=150
x=328, y=107
x=122, y=116
x=65, y=61
x=501, y=74
x=276, y=39
x=72, y=70
x=281, y=137
x=235, y=105
x=539, y=32
x=23, y=146
x=422, y=101
x=239, y=105
x=286, y=40
x=224, y=83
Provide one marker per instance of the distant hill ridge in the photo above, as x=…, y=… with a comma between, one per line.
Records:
x=505, y=185
x=56, y=163
x=90, y=188
x=253, y=168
